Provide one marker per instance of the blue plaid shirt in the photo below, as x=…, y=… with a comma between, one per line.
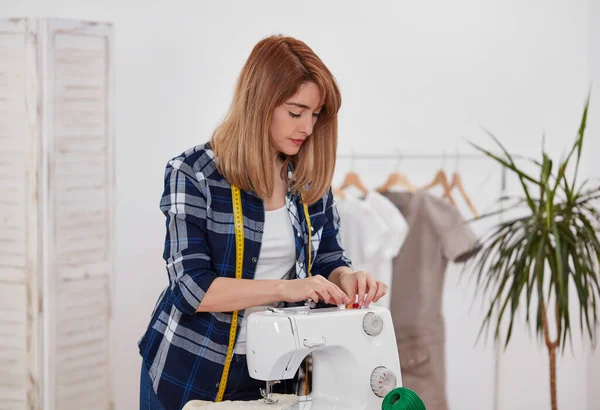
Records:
x=185, y=351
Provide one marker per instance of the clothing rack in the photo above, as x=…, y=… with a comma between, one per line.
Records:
x=430, y=156
x=413, y=156
x=401, y=156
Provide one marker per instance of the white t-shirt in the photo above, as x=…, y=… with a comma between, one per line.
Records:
x=277, y=257
x=361, y=231
x=372, y=231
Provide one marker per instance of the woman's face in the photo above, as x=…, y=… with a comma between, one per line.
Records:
x=293, y=121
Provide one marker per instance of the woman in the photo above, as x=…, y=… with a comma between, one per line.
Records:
x=269, y=164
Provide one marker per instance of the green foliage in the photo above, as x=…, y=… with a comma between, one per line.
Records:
x=555, y=244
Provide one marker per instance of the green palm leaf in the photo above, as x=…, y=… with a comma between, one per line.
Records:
x=540, y=256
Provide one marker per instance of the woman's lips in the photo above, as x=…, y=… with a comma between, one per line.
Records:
x=297, y=142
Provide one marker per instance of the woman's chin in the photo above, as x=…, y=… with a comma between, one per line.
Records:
x=290, y=149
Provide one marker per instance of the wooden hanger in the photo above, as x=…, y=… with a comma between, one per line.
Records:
x=396, y=179
x=457, y=182
x=339, y=193
x=441, y=179
x=352, y=179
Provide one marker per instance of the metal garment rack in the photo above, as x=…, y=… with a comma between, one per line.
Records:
x=413, y=156
x=428, y=156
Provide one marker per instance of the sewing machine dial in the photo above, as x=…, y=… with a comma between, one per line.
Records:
x=372, y=324
x=383, y=381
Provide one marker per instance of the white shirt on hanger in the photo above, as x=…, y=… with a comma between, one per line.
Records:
x=360, y=230
x=393, y=238
x=372, y=232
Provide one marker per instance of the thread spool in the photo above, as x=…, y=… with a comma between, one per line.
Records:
x=402, y=398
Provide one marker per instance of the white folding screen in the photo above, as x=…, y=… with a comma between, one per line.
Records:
x=20, y=273
x=56, y=213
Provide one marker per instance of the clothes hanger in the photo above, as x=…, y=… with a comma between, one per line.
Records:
x=397, y=179
x=352, y=179
x=339, y=193
x=457, y=182
x=440, y=178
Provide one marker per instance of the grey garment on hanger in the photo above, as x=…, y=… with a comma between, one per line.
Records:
x=437, y=234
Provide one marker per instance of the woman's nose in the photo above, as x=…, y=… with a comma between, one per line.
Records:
x=307, y=125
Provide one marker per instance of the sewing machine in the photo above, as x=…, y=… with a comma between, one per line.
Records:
x=355, y=358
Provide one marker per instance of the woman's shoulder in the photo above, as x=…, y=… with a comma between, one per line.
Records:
x=198, y=160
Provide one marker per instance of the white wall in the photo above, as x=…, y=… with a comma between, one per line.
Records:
x=415, y=76
x=593, y=169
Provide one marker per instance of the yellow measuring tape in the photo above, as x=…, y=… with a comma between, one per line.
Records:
x=238, y=223
x=307, y=217
x=309, y=226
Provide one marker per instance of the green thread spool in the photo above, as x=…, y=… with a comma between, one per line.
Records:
x=402, y=398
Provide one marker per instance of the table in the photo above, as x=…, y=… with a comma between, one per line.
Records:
x=285, y=402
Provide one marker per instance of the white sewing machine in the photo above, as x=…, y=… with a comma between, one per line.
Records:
x=355, y=358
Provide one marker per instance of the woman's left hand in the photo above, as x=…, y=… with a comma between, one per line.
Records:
x=364, y=285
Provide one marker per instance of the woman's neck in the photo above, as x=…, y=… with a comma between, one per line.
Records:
x=277, y=199
x=278, y=162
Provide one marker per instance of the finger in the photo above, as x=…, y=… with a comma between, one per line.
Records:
x=371, y=290
x=345, y=297
x=338, y=295
x=313, y=295
x=354, y=288
x=381, y=291
x=325, y=296
x=361, y=282
x=334, y=296
x=349, y=288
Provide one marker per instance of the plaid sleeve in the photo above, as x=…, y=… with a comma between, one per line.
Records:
x=330, y=255
x=186, y=251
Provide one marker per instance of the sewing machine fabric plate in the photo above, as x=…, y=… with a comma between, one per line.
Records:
x=286, y=402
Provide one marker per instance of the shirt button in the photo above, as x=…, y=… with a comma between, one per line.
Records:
x=312, y=228
x=254, y=259
x=217, y=385
x=259, y=229
x=298, y=234
x=301, y=264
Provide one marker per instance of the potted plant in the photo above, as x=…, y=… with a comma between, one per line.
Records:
x=531, y=260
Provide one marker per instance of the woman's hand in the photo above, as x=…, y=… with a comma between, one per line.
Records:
x=364, y=285
x=315, y=288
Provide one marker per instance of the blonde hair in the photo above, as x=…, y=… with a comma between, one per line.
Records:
x=273, y=73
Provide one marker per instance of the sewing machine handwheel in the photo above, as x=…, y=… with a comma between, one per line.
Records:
x=372, y=324
x=383, y=381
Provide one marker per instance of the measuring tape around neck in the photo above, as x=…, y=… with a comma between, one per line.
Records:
x=309, y=229
x=238, y=223
x=309, y=226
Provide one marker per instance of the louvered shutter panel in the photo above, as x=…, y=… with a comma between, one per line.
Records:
x=73, y=137
x=19, y=270
x=82, y=202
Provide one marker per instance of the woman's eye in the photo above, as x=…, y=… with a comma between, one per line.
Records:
x=316, y=114
x=294, y=115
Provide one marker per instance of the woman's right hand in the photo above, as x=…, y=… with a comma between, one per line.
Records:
x=315, y=288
